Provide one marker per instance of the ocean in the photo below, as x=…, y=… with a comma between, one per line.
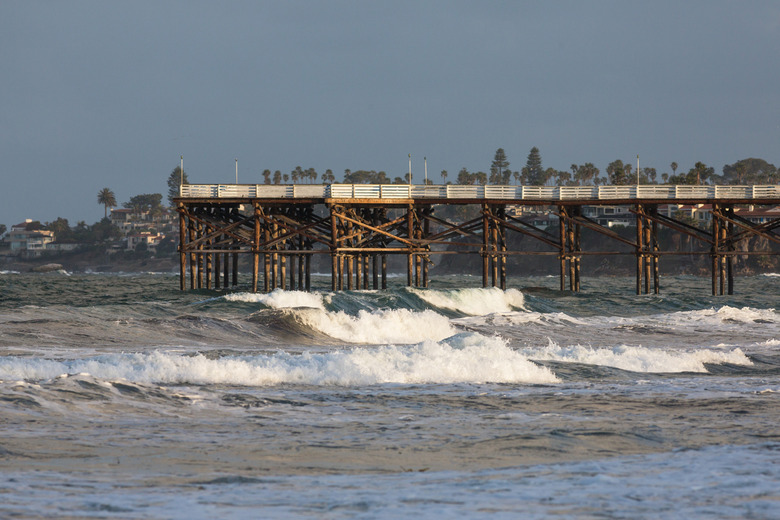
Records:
x=123, y=397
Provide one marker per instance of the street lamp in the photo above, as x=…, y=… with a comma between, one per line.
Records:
x=637, y=169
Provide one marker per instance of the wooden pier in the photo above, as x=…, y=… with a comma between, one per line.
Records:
x=359, y=225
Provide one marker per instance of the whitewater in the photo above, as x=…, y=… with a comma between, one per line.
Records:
x=123, y=397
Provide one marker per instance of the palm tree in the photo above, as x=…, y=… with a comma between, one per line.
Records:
x=107, y=198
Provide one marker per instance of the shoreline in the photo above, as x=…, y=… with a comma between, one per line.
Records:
x=92, y=263
x=80, y=264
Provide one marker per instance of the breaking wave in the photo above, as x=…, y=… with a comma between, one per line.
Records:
x=463, y=358
x=379, y=327
x=473, y=302
x=723, y=318
x=279, y=299
x=639, y=359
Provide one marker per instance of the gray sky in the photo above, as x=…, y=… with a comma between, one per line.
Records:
x=109, y=94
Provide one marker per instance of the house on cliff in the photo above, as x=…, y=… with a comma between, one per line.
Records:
x=28, y=240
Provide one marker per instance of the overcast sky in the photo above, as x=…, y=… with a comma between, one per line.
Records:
x=109, y=94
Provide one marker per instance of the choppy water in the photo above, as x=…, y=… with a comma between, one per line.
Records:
x=122, y=397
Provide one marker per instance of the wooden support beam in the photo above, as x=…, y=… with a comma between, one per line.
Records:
x=562, y=221
x=200, y=232
x=334, y=237
x=681, y=227
x=375, y=229
x=572, y=261
x=409, y=233
x=341, y=273
x=715, y=247
x=292, y=272
x=283, y=271
x=193, y=259
x=639, y=252
x=485, y=244
x=308, y=273
x=384, y=272
x=217, y=272
x=365, y=272
x=375, y=268
x=656, y=277
x=235, y=269
x=227, y=230
x=256, y=252
x=550, y=242
x=182, y=242
x=266, y=261
x=748, y=226
x=577, y=249
x=494, y=249
x=646, y=249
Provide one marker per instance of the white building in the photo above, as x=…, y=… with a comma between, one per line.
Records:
x=150, y=239
x=28, y=242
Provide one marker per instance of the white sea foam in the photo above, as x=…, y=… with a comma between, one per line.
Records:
x=474, y=302
x=381, y=326
x=725, y=318
x=718, y=317
x=743, y=315
x=638, y=359
x=279, y=299
x=771, y=275
x=522, y=318
x=463, y=358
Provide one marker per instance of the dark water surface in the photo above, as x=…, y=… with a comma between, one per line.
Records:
x=122, y=397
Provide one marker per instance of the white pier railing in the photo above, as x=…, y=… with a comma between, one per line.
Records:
x=457, y=191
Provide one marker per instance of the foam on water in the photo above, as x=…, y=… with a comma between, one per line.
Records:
x=279, y=299
x=463, y=358
x=639, y=359
x=474, y=302
x=522, y=318
x=724, y=318
x=381, y=326
x=727, y=314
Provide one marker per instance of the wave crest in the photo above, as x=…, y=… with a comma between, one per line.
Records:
x=639, y=359
x=279, y=299
x=381, y=326
x=473, y=302
x=464, y=358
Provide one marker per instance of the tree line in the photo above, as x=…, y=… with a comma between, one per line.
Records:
x=102, y=230
x=533, y=173
x=743, y=172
